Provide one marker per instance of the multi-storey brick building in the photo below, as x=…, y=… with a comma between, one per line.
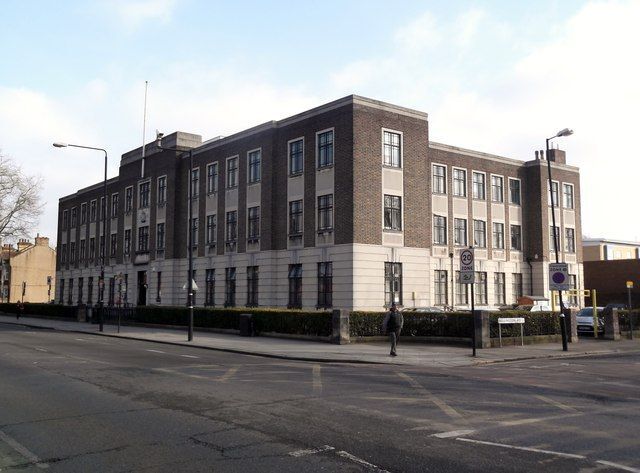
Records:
x=346, y=205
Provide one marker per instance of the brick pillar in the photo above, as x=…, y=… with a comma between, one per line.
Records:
x=483, y=334
x=612, y=326
x=572, y=324
x=340, y=327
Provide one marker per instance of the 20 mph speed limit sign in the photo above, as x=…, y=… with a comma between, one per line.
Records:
x=467, y=266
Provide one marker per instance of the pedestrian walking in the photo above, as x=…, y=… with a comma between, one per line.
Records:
x=392, y=325
x=19, y=309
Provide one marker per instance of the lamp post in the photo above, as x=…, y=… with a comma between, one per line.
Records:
x=189, y=233
x=563, y=321
x=104, y=227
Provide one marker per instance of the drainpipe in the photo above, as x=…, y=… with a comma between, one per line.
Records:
x=530, y=275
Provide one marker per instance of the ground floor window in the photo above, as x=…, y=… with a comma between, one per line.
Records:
x=90, y=290
x=480, y=288
x=392, y=283
x=112, y=290
x=295, y=286
x=325, y=285
x=252, y=286
x=209, y=287
x=70, y=297
x=229, y=287
x=62, y=291
x=158, y=287
x=462, y=291
x=573, y=297
x=80, y=290
x=516, y=286
x=440, y=287
x=499, y=289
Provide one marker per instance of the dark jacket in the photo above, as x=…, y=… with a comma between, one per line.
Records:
x=392, y=321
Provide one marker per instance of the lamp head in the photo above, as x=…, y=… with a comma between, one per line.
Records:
x=159, y=137
x=565, y=132
x=60, y=145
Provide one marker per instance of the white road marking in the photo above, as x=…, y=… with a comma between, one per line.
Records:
x=452, y=433
x=42, y=349
x=557, y=404
x=81, y=339
x=619, y=466
x=22, y=450
x=311, y=451
x=190, y=356
x=527, y=449
x=317, y=381
x=155, y=351
x=225, y=377
x=360, y=461
x=166, y=370
x=450, y=411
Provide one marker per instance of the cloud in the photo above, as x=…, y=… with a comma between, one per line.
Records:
x=421, y=33
x=133, y=13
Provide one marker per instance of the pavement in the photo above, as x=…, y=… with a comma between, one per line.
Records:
x=409, y=353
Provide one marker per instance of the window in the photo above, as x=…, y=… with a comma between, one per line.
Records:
x=554, y=244
x=232, y=172
x=460, y=231
x=212, y=178
x=83, y=250
x=480, y=288
x=63, y=253
x=92, y=211
x=209, y=287
x=194, y=231
x=462, y=291
x=112, y=291
x=195, y=182
x=127, y=242
x=158, y=287
x=128, y=199
x=162, y=190
x=392, y=212
x=498, y=236
x=516, y=237
x=74, y=217
x=102, y=242
x=92, y=248
x=115, y=199
x=65, y=219
x=211, y=230
x=554, y=194
x=479, y=186
x=231, y=226
x=254, y=166
x=325, y=212
x=252, y=286
x=439, y=230
x=253, y=223
x=70, y=298
x=392, y=283
x=499, y=288
x=440, y=287
x=90, y=290
x=113, y=245
x=325, y=149
x=480, y=233
x=295, y=286
x=497, y=191
x=80, y=290
x=83, y=213
x=295, y=217
x=391, y=149
x=573, y=297
x=229, y=287
x=569, y=240
x=516, y=287
x=325, y=285
x=296, y=157
x=62, y=291
x=143, y=238
x=160, y=236
x=144, y=195
x=459, y=182
x=72, y=252
x=439, y=179
x=514, y=191
x=568, y=196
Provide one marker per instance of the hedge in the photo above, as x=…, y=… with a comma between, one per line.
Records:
x=46, y=310
x=535, y=323
x=449, y=324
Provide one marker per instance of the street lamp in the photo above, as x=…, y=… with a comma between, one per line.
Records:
x=563, y=321
x=189, y=234
x=104, y=227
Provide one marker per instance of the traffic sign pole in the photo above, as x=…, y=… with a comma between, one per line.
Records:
x=629, y=286
x=467, y=276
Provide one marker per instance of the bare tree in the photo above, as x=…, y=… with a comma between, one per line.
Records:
x=20, y=206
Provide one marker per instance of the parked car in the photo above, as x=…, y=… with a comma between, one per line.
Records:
x=431, y=309
x=534, y=308
x=584, y=320
x=608, y=309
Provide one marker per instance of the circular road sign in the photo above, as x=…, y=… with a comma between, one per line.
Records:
x=558, y=277
x=466, y=257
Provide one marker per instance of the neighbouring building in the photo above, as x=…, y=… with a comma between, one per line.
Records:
x=27, y=272
x=346, y=205
x=602, y=249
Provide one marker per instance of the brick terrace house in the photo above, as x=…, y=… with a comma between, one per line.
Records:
x=346, y=205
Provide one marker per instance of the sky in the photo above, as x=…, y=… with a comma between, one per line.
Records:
x=494, y=76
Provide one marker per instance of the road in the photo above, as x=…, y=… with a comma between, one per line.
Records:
x=78, y=403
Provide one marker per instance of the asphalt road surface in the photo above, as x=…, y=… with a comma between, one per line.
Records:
x=83, y=403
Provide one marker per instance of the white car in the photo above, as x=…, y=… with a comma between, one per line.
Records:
x=584, y=320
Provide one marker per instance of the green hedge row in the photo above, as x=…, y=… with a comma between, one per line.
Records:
x=449, y=324
x=47, y=310
x=535, y=323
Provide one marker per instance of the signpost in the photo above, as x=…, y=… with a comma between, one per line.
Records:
x=511, y=320
x=629, y=287
x=559, y=277
x=467, y=276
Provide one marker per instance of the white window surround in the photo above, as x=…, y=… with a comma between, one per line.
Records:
x=520, y=187
x=226, y=171
x=300, y=138
x=573, y=196
x=260, y=165
x=217, y=182
x=446, y=184
x=490, y=186
x=397, y=132
x=402, y=222
x=317, y=156
x=466, y=182
x=473, y=171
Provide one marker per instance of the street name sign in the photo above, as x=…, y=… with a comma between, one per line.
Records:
x=467, y=266
x=559, y=277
